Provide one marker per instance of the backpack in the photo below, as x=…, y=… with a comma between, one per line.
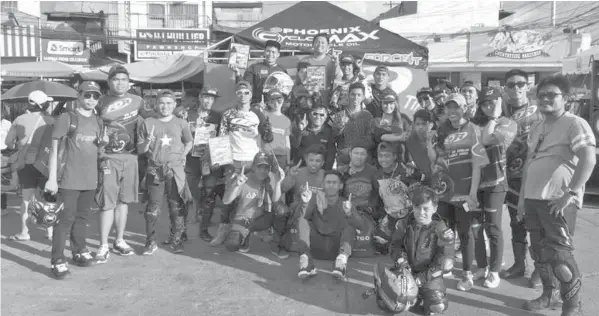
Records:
x=43, y=156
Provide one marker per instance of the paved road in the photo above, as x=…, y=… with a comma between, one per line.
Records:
x=211, y=281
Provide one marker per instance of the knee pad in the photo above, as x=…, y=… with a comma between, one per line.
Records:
x=233, y=241
x=564, y=266
x=152, y=212
x=436, y=301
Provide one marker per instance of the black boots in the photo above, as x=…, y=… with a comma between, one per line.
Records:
x=517, y=270
x=550, y=298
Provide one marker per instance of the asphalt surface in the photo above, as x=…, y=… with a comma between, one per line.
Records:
x=212, y=281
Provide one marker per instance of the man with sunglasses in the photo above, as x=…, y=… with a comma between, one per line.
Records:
x=561, y=158
x=311, y=131
x=380, y=88
x=257, y=73
x=77, y=182
x=246, y=126
x=119, y=177
x=520, y=109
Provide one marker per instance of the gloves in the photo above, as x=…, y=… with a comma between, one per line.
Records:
x=266, y=131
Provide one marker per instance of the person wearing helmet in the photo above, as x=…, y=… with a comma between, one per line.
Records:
x=76, y=182
x=424, y=243
x=25, y=135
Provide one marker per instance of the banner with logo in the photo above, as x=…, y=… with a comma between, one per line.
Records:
x=534, y=45
x=69, y=52
x=154, y=43
x=296, y=27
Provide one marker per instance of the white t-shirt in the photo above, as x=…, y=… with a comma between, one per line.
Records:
x=4, y=127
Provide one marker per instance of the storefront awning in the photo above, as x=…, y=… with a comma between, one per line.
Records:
x=493, y=66
x=581, y=63
x=18, y=41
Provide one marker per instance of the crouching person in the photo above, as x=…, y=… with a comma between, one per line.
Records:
x=326, y=224
x=255, y=210
x=423, y=243
x=166, y=140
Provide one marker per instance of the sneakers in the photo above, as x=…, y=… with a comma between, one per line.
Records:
x=279, y=252
x=150, y=248
x=492, y=280
x=307, y=268
x=102, y=254
x=481, y=273
x=83, y=259
x=245, y=246
x=205, y=236
x=467, y=282
x=340, y=267
x=121, y=248
x=177, y=246
x=60, y=270
x=221, y=234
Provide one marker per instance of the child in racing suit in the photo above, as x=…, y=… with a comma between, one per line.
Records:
x=424, y=243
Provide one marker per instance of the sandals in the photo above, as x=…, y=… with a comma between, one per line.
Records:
x=18, y=237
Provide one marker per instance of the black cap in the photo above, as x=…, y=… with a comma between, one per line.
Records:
x=117, y=69
x=272, y=43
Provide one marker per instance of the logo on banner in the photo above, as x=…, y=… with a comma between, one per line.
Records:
x=65, y=48
x=338, y=37
x=522, y=44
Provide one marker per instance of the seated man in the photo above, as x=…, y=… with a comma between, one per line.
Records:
x=326, y=226
x=312, y=174
x=423, y=243
x=254, y=211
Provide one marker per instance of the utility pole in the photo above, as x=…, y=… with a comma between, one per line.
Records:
x=391, y=4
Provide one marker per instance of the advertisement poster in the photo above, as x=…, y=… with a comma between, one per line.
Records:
x=68, y=52
x=154, y=43
x=239, y=55
x=220, y=150
x=203, y=132
x=316, y=76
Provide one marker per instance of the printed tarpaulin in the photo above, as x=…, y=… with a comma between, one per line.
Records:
x=47, y=69
x=168, y=69
x=295, y=28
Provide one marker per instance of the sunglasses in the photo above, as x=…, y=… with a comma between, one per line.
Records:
x=89, y=95
x=246, y=92
x=548, y=95
x=319, y=114
x=468, y=91
x=520, y=84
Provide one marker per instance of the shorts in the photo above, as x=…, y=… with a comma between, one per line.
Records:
x=118, y=182
x=31, y=178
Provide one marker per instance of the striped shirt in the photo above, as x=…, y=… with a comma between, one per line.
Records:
x=551, y=168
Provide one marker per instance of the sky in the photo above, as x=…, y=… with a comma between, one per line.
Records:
x=365, y=9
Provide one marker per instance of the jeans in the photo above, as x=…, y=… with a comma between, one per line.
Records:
x=492, y=203
x=176, y=205
x=468, y=226
x=73, y=219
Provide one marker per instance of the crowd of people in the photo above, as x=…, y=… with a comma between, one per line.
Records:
x=330, y=174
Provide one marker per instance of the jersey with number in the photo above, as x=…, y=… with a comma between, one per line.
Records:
x=120, y=116
x=462, y=151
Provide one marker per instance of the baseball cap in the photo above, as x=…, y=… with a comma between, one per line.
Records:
x=389, y=97
x=381, y=68
x=361, y=144
x=243, y=85
x=424, y=90
x=38, y=97
x=457, y=98
x=89, y=86
x=386, y=147
x=166, y=93
x=489, y=94
x=347, y=59
x=208, y=90
x=301, y=92
x=262, y=158
x=274, y=93
x=117, y=69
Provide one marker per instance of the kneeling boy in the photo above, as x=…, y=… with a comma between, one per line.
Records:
x=423, y=243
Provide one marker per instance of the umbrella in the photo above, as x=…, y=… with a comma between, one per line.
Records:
x=52, y=69
x=58, y=91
